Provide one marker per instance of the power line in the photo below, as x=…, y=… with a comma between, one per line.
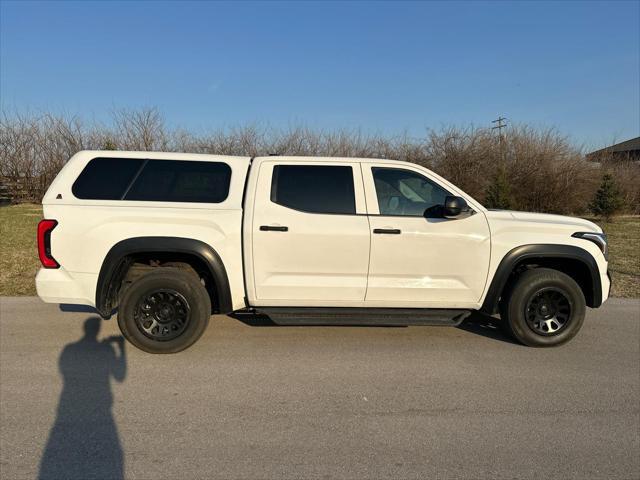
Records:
x=501, y=123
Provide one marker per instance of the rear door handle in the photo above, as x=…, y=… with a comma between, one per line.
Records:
x=388, y=231
x=273, y=228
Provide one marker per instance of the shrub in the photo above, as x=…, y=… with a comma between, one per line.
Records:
x=542, y=170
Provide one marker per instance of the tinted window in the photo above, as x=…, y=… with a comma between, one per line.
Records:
x=181, y=181
x=406, y=193
x=315, y=189
x=106, y=178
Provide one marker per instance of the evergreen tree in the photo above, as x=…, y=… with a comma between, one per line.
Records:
x=607, y=200
x=498, y=194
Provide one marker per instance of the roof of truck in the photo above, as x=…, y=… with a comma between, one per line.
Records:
x=293, y=158
x=156, y=155
x=212, y=157
x=60, y=190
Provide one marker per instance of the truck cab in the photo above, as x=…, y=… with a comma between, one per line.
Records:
x=167, y=239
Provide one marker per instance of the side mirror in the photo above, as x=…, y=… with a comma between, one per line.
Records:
x=454, y=207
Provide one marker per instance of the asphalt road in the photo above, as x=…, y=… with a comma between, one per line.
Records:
x=317, y=402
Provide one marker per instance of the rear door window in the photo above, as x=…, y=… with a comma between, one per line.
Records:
x=314, y=188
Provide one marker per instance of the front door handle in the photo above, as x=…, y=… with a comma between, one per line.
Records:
x=273, y=228
x=388, y=231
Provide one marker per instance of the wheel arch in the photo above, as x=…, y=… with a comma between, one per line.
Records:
x=576, y=262
x=122, y=255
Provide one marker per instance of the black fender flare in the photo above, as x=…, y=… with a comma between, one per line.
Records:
x=115, y=266
x=540, y=251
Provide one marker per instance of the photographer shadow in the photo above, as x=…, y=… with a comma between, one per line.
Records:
x=83, y=442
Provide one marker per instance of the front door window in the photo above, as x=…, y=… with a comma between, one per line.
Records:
x=405, y=193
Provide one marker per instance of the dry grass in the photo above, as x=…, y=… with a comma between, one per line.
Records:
x=18, y=249
x=19, y=257
x=624, y=257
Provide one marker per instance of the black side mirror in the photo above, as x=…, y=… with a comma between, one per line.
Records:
x=454, y=206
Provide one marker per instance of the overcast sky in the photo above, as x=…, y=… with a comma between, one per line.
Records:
x=381, y=67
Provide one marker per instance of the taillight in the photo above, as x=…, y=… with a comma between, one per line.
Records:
x=44, y=243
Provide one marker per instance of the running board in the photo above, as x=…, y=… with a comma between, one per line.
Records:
x=364, y=316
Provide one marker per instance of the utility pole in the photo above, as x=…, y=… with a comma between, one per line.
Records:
x=501, y=122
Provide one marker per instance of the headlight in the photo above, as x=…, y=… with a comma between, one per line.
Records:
x=600, y=239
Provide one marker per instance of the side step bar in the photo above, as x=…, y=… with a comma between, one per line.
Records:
x=364, y=316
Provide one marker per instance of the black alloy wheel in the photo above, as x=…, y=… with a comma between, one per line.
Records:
x=548, y=311
x=162, y=315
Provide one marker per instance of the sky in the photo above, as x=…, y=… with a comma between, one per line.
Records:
x=383, y=68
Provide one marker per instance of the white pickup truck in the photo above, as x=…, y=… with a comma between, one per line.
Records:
x=167, y=239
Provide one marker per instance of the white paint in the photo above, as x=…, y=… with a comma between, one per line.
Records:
x=323, y=260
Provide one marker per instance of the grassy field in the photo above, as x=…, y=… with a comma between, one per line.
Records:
x=19, y=257
x=624, y=255
x=18, y=249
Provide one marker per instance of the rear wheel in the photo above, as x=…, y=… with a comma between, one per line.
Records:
x=544, y=308
x=164, y=311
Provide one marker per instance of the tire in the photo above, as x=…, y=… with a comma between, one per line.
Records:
x=544, y=308
x=164, y=311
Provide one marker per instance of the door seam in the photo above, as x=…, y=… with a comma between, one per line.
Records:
x=366, y=206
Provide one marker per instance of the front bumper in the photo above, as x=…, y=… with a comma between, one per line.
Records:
x=605, y=282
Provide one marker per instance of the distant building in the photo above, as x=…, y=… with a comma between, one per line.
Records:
x=629, y=150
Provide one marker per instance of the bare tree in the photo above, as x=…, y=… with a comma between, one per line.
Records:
x=142, y=129
x=544, y=171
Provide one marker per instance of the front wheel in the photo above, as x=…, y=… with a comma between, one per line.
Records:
x=545, y=308
x=164, y=311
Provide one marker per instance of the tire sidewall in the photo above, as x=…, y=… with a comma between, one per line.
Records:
x=184, y=283
x=528, y=285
